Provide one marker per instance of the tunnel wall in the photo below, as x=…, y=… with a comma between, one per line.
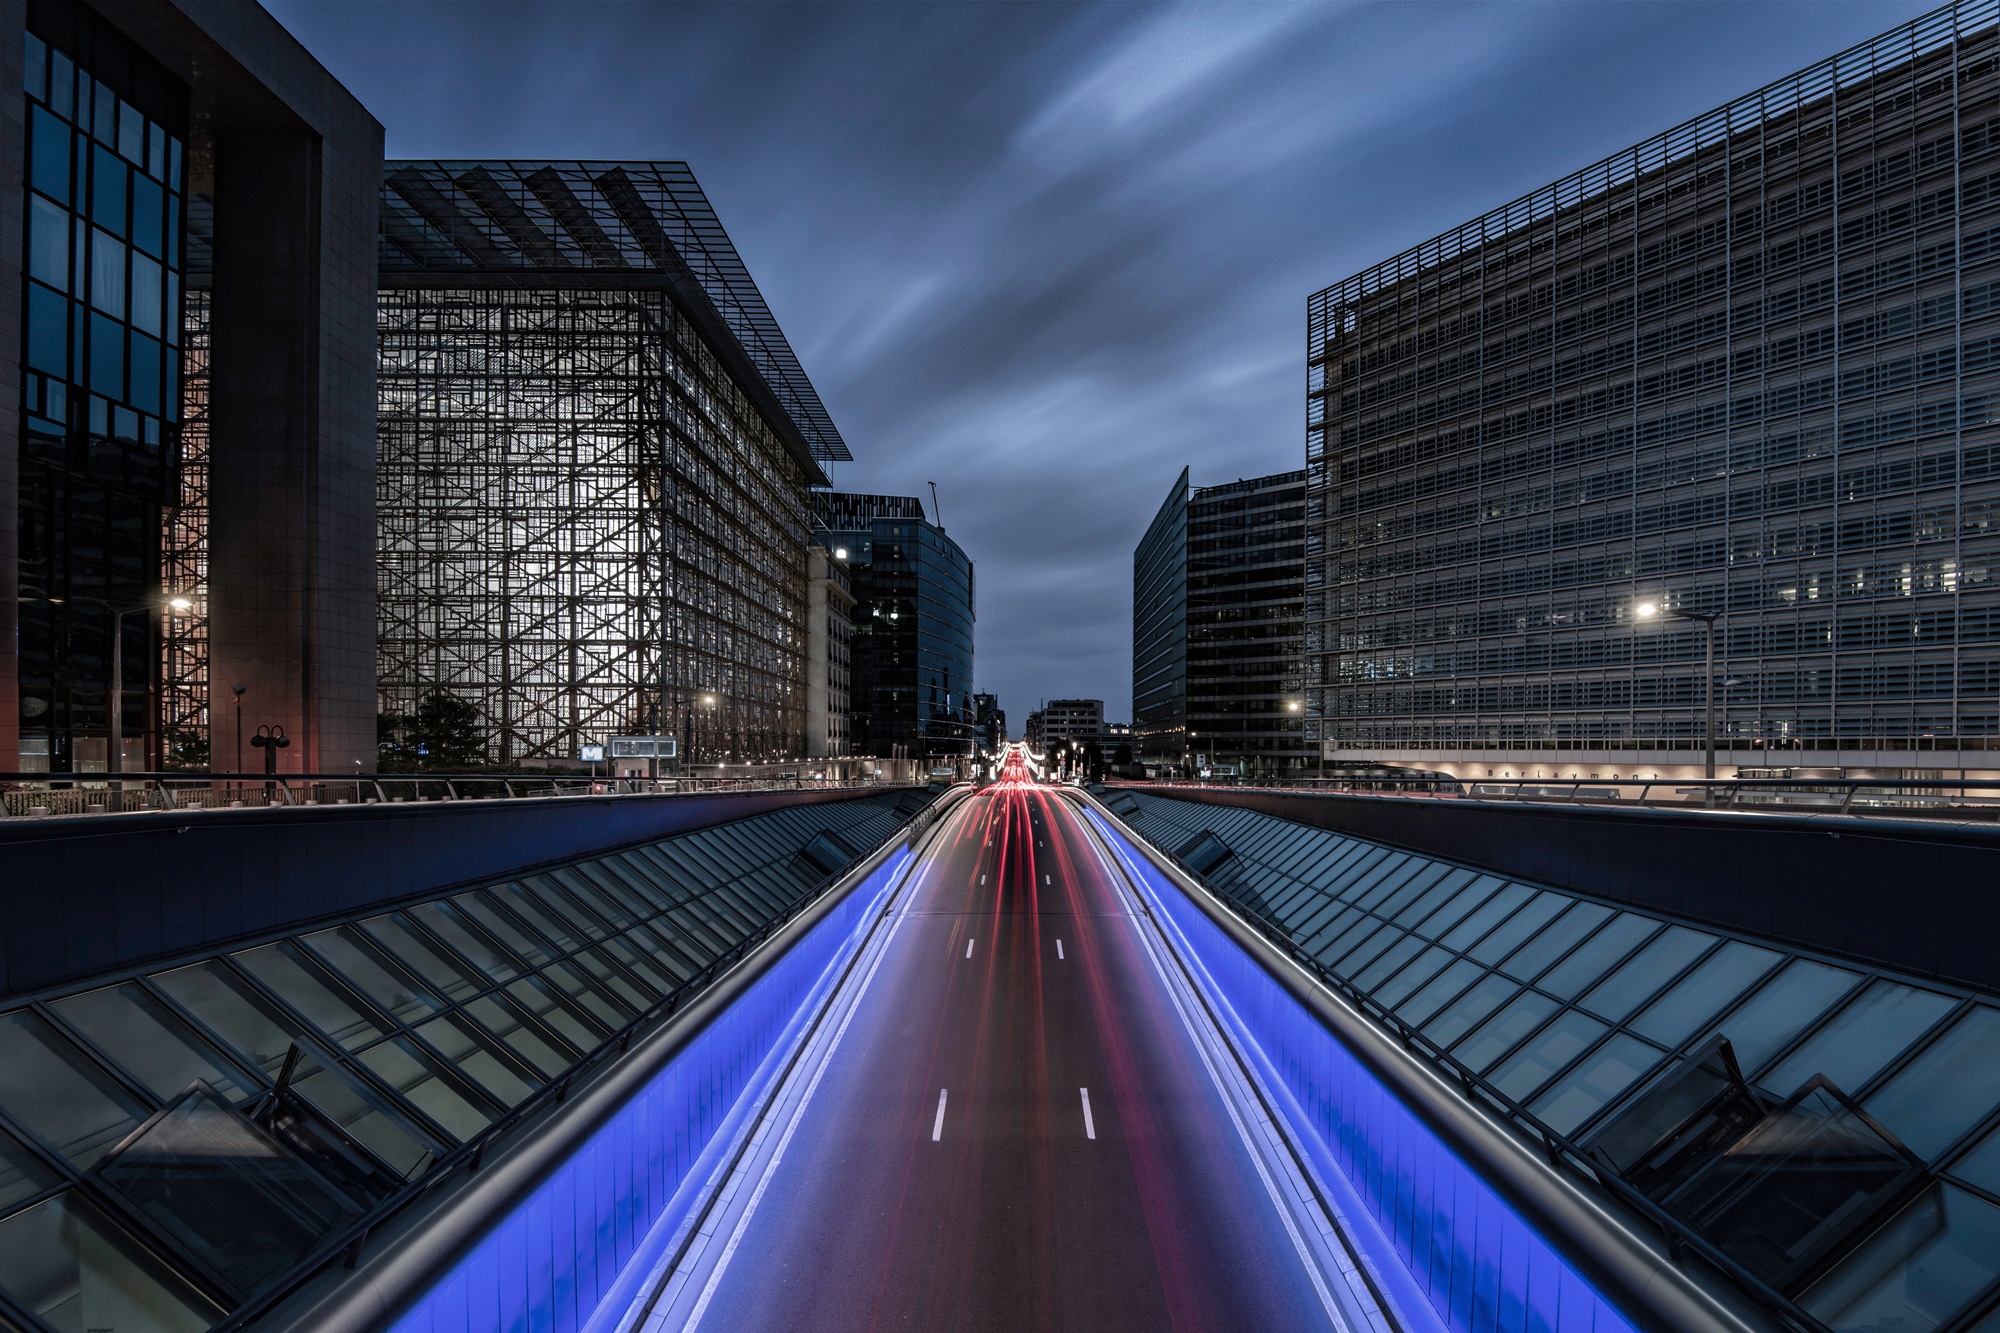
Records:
x=1477, y=1261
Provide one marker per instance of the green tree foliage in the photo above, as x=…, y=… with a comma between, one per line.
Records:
x=1122, y=755
x=444, y=735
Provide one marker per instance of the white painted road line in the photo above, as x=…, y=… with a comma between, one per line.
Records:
x=982, y=879
x=1089, y=1125
x=968, y=948
x=1059, y=952
x=1046, y=880
x=937, y=1125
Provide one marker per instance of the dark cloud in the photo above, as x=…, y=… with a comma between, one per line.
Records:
x=1046, y=254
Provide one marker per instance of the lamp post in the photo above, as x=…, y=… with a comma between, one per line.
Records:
x=114, y=759
x=1649, y=610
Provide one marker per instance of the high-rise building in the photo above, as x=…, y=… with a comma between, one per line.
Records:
x=989, y=722
x=1159, y=631
x=191, y=253
x=596, y=452
x=913, y=622
x=1217, y=628
x=1745, y=375
x=829, y=653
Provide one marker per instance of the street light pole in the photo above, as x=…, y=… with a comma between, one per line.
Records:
x=1647, y=610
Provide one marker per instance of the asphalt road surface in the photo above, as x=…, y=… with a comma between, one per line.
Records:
x=1015, y=1130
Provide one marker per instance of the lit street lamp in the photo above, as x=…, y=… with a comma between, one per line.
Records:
x=1650, y=610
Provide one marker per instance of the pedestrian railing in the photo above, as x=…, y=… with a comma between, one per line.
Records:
x=63, y=794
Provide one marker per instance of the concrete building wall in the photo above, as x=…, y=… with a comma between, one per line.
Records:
x=829, y=653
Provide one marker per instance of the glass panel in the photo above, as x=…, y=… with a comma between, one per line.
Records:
x=59, y=1093
x=1785, y=1006
x=473, y=1056
x=1646, y=971
x=1406, y=948
x=1478, y=891
x=154, y=1047
x=562, y=910
x=1556, y=939
x=414, y=951
x=578, y=882
x=407, y=1071
x=1948, y=1089
x=279, y=967
x=1345, y=942
x=639, y=966
x=228, y=1190
x=1500, y=1032
x=564, y=936
x=51, y=149
x=1432, y=899
x=663, y=954
x=1470, y=1010
x=502, y=929
x=1918, y=1271
x=207, y=991
x=445, y=923
x=1450, y=982
x=1467, y=932
x=607, y=976
x=69, y=1265
x=1603, y=1074
x=1597, y=955
x=1696, y=997
x=501, y=1020
x=328, y=1092
x=22, y=1174
x=1789, y=1190
x=1545, y=1053
x=543, y=1001
x=1392, y=992
x=396, y=996
x=48, y=243
x=1861, y=1038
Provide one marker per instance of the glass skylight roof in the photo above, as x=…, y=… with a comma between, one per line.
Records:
x=175, y=1143
x=1832, y=1128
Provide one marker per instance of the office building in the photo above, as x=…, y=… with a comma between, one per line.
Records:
x=1744, y=374
x=913, y=623
x=1072, y=722
x=1159, y=631
x=829, y=653
x=596, y=450
x=989, y=722
x=1217, y=628
x=184, y=158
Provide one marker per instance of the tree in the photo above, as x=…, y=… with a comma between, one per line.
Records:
x=1093, y=760
x=444, y=735
x=1122, y=756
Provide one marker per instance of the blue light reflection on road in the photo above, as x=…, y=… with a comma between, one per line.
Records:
x=551, y=1261
x=1483, y=1269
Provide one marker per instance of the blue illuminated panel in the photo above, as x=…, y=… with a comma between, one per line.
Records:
x=549, y=1263
x=1483, y=1269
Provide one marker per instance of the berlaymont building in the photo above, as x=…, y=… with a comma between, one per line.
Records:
x=1741, y=379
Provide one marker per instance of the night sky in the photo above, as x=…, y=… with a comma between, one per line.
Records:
x=1047, y=254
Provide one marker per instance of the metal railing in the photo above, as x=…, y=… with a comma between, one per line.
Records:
x=1973, y=800
x=58, y=794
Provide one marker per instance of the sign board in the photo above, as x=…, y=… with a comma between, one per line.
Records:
x=644, y=747
x=590, y=754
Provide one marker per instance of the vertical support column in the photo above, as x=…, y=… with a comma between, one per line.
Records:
x=292, y=454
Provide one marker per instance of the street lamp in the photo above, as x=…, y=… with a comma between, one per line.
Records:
x=114, y=759
x=1652, y=610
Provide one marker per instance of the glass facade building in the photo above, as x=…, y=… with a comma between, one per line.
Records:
x=913, y=626
x=100, y=383
x=1827, y=1133
x=1159, y=631
x=1746, y=369
x=1218, y=598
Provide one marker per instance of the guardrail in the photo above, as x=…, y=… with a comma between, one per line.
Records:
x=1975, y=799
x=51, y=794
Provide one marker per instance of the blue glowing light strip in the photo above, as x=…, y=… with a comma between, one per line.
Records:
x=1480, y=1266
x=552, y=1261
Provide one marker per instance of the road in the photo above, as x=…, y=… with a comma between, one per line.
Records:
x=1013, y=1129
